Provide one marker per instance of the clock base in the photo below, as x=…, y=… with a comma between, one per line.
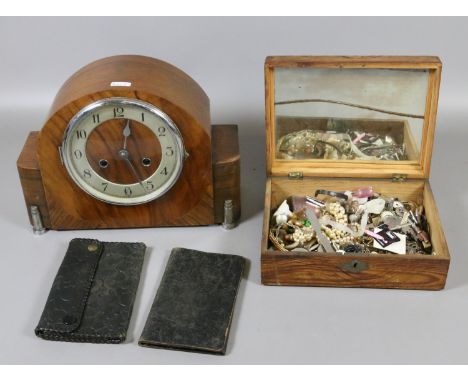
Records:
x=225, y=169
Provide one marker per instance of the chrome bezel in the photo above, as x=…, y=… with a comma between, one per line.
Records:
x=111, y=199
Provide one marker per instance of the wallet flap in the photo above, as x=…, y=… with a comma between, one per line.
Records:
x=70, y=291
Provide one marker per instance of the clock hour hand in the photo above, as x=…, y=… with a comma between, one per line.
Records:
x=124, y=154
x=126, y=134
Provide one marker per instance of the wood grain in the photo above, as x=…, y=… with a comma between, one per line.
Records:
x=30, y=178
x=326, y=270
x=226, y=170
x=147, y=75
x=419, y=169
x=406, y=62
x=432, y=103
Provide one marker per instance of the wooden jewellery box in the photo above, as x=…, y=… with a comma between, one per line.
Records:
x=392, y=96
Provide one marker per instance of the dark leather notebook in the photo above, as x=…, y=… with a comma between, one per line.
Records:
x=92, y=296
x=194, y=304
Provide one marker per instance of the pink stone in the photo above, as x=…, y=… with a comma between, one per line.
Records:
x=363, y=192
x=359, y=137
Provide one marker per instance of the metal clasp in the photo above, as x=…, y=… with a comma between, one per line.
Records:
x=399, y=177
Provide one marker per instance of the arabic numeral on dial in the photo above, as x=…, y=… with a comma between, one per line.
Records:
x=169, y=151
x=128, y=191
x=78, y=154
x=87, y=173
x=161, y=131
x=104, y=186
x=149, y=185
x=81, y=134
x=164, y=171
x=96, y=118
x=118, y=112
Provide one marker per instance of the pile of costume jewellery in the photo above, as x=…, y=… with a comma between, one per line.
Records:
x=359, y=221
x=313, y=144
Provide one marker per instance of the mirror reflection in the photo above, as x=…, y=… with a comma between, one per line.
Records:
x=349, y=114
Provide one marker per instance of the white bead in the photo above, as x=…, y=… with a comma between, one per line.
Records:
x=281, y=219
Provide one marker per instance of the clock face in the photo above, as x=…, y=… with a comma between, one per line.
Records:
x=123, y=151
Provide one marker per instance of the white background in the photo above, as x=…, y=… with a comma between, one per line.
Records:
x=225, y=56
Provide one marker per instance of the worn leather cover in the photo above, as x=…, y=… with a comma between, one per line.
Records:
x=92, y=296
x=194, y=304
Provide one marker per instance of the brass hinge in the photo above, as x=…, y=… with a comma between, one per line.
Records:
x=399, y=177
x=296, y=175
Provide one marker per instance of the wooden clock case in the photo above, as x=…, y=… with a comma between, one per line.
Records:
x=210, y=174
x=408, y=181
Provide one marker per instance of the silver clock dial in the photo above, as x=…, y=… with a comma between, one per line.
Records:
x=123, y=151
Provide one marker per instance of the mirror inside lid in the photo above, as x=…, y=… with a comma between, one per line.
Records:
x=368, y=115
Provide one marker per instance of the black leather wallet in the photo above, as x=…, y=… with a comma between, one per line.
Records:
x=92, y=296
x=194, y=304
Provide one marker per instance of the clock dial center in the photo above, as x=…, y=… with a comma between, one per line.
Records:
x=108, y=149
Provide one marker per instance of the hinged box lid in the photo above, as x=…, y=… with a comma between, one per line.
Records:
x=351, y=116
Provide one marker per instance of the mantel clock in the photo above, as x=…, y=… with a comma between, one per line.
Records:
x=128, y=142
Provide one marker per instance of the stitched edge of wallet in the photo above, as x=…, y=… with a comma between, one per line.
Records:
x=92, y=275
x=85, y=338
x=71, y=336
x=91, y=270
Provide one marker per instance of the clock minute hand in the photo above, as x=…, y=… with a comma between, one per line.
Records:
x=124, y=154
x=126, y=133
